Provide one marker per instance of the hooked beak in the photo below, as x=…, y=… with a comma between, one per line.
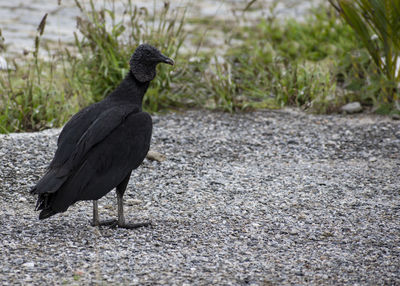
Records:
x=168, y=61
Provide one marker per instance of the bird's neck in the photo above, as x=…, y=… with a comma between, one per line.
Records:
x=130, y=90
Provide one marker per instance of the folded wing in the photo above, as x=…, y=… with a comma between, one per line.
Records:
x=114, y=144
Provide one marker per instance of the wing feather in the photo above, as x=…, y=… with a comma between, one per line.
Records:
x=73, y=130
x=72, y=151
x=107, y=162
x=100, y=129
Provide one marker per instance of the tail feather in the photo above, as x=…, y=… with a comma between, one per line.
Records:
x=46, y=213
x=46, y=188
x=42, y=202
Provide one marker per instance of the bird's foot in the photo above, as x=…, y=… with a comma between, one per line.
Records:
x=134, y=225
x=109, y=222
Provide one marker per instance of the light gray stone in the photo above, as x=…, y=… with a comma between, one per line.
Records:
x=352, y=107
x=29, y=264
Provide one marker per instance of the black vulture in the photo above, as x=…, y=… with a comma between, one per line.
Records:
x=100, y=145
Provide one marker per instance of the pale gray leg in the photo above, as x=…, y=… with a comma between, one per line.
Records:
x=96, y=220
x=121, y=218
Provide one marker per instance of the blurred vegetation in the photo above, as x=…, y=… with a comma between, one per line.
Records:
x=317, y=63
x=377, y=24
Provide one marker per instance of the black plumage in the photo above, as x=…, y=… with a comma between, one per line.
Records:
x=101, y=145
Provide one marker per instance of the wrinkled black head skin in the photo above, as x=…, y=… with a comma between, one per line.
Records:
x=144, y=61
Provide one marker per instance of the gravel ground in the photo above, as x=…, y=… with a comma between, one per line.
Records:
x=263, y=198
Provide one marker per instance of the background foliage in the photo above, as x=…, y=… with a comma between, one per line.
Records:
x=318, y=63
x=376, y=23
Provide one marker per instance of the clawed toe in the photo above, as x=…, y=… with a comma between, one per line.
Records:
x=114, y=223
x=134, y=225
x=109, y=222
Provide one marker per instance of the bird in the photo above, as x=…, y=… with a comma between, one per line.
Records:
x=100, y=145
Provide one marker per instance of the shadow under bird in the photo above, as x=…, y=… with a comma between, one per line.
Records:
x=100, y=145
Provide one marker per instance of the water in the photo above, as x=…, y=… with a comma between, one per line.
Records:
x=20, y=18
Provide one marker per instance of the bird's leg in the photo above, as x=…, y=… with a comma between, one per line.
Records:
x=120, y=203
x=121, y=218
x=96, y=221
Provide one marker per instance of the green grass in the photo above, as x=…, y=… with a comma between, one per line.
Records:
x=317, y=64
x=36, y=95
x=274, y=63
x=375, y=72
x=107, y=44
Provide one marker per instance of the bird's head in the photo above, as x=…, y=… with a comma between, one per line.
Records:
x=144, y=61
